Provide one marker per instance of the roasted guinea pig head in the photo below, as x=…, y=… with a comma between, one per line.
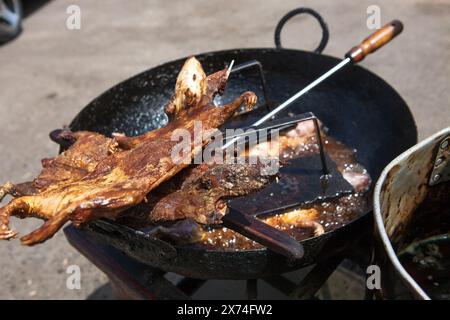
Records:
x=189, y=88
x=100, y=177
x=193, y=85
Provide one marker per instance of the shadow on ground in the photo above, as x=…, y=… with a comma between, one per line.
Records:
x=104, y=292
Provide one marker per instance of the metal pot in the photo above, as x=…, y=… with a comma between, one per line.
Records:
x=402, y=191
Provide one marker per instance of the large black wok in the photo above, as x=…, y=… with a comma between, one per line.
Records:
x=357, y=106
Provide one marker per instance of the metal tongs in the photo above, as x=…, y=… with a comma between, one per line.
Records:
x=302, y=181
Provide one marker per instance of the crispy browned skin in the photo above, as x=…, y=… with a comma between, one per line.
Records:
x=81, y=158
x=120, y=177
x=88, y=149
x=201, y=193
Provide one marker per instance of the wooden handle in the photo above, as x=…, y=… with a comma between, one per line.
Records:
x=375, y=41
x=256, y=230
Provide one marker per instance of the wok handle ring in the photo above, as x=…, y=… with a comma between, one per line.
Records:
x=302, y=10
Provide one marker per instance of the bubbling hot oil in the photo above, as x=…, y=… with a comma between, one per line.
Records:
x=331, y=215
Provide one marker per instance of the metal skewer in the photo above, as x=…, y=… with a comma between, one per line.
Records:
x=230, y=67
x=302, y=92
x=356, y=54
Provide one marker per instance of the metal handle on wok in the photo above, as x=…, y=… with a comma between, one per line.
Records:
x=315, y=14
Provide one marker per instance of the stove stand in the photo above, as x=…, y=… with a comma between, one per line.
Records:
x=340, y=277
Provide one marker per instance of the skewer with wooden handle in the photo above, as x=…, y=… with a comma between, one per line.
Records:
x=372, y=43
